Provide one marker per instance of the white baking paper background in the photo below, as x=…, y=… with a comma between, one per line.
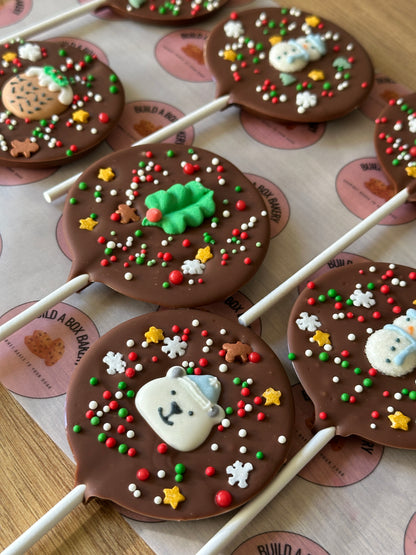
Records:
x=373, y=515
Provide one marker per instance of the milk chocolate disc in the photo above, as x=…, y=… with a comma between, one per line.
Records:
x=288, y=65
x=57, y=103
x=166, y=224
x=352, y=334
x=178, y=415
x=395, y=140
x=164, y=12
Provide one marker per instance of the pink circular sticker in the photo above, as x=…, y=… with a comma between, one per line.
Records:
x=384, y=89
x=363, y=187
x=279, y=543
x=10, y=176
x=410, y=537
x=13, y=11
x=343, y=461
x=276, y=203
x=342, y=259
x=140, y=119
x=61, y=240
x=181, y=54
x=38, y=359
x=286, y=136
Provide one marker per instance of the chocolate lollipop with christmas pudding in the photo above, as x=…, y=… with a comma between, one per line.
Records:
x=57, y=103
x=174, y=415
x=282, y=64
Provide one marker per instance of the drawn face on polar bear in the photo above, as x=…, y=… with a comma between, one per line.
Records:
x=392, y=349
x=295, y=54
x=181, y=409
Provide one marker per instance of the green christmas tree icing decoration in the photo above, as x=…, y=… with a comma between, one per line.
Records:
x=179, y=207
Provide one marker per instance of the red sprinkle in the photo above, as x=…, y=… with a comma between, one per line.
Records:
x=223, y=498
x=142, y=474
x=210, y=471
x=110, y=442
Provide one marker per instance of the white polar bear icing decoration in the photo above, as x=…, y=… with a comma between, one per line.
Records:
x=392, y=349
x=295, y=54
x=181, y=409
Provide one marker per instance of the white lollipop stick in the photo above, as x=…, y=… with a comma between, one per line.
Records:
x=46, y=522
x=252, y=508
x=44, y=304
x=54, y=21
x=355, y=233
x=182, y=123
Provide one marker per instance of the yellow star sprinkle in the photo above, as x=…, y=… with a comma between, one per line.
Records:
x=154, y=335
x=312, y=20
x=316, y=75
x=204, y=254
x=411, y=171
x=87, y=223
x=9, y=56
x=230, y=55
x=106, y=174
x=322, y=338
x=275, y=39
x=399, y=421
x=173, y=497
x=80, y=116
x=272, y=397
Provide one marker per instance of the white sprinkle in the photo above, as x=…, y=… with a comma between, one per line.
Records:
x=282, y=439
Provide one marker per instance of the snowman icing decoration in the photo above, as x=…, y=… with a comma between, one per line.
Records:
x=295, y=54
x=181, y=408
x=392, y=349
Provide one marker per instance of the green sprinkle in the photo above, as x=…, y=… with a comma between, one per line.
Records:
x=113, y=78
x=138, y=233
x=122, y=385
x=93, y=216
x=130, y=393
x=367, y=382
x=113, y=89
x=332, y=293
x=95, y=420
x=357, y=370
x=93, y=381
x=259, y=455
x=326, y=86
x=412, y=395
x=370, y=286
x=62, y=52
x=323, y=357
x=405, y=391
x=170, y=154
x=237, y=381
x=180, y=468
x=345, y=397
x=165, y=285
x=108, y=251
x=88, y=58
x=322, y=298
x=291, y=356
x=123, y=448
x=123, y=412
x=73, y=200
x=77, y=428
x=102, y=437
x=345, y=364
x=178, y=477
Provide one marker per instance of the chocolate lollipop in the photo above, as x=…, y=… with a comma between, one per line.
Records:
x=175, y=415
x=395, y=138
x=57, y=103
x=166, y=224
x=352, y=335
x=280, y=64
x=158, y=12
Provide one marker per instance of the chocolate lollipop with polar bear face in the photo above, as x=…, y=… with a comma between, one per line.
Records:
x=352, y=335
x=166, y=224
x=178, y=415
x=57, y=103
x=288, y=65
